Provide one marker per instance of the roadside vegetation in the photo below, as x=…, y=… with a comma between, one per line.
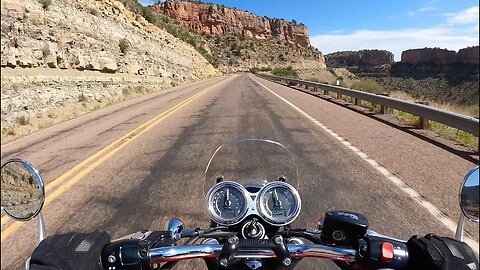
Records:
x=285, y=72
x=172, y=26
x=442, y=130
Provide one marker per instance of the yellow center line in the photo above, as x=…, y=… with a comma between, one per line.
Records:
x=110, y=150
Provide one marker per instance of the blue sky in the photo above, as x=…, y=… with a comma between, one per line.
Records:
x=395, y=25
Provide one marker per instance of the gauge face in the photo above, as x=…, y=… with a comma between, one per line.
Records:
x=279, y=203
x=227, y=203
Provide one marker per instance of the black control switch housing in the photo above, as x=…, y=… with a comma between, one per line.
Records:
x=343, y=228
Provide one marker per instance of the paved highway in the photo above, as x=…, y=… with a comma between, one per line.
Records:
x=134, y=165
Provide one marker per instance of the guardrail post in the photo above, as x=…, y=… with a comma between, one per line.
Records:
x=382, y=108
x=423, y=123
x=358, y=102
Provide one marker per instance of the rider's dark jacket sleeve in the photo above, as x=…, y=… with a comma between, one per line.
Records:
x=71, y=251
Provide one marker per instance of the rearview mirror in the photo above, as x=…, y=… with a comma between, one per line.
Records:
x=469, y=195
x=22, y=193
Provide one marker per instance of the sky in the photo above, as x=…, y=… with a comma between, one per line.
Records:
x=393, y=25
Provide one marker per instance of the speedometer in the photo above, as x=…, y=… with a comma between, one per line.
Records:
x=279, y=203
x=227, y=203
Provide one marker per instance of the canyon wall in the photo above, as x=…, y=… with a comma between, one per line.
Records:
x=210, y=19
x=439, y=56
x=359, y=58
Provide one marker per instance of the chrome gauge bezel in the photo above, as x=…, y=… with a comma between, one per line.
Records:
x=264, y=212
x=210, y=206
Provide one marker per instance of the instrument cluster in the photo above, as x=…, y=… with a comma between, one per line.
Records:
x=277, y=203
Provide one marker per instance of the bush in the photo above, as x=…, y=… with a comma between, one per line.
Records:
x=124, y=45
x=45, y=3
x=368, y=86
x=94, y=11
x=285, y=72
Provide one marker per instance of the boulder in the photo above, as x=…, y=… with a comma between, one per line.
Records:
x=25, y=58
x=92, y=64
x=136, y=70
x=51, y=60
x=107, y=65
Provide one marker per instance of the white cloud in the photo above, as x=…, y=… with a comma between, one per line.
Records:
x=466, y=16
x=459, y=31
x=429, y=7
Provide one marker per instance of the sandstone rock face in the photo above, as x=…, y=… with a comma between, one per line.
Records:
x=435, y=56
x=69, y=35
x=468, y=55
x=217, y=20
x=359, y=58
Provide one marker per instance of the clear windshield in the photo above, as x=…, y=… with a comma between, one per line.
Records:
x=251, y=162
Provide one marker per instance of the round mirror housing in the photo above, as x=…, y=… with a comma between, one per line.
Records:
x=469, y=195
x=22, y=192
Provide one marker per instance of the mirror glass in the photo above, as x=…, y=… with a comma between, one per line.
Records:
x=469, y=195
x=22, y=192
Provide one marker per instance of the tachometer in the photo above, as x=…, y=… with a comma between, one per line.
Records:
x=227, y=203
x=279, y=203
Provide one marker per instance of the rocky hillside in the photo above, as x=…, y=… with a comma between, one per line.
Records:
x=236, y=40
x=430, y=73
x=58, y=53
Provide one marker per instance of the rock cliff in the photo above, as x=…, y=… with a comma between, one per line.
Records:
x=468, y=55
x=234, y=40
x=210, y=19
x=435, y=56
x=359, y=58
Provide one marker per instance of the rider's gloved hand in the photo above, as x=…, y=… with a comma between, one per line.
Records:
x=440, y=253
x=71, y=251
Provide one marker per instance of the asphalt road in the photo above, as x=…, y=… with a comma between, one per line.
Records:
x=156, y=173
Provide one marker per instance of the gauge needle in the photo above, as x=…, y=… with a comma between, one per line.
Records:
x=227, y=199
x=278, y=203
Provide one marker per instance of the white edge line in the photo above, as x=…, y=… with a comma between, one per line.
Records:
x=432, y=209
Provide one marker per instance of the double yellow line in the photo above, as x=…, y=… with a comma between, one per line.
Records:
x=95, y=160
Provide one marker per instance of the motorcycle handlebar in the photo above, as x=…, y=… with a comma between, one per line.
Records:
x=178, y=253
x=375, y=251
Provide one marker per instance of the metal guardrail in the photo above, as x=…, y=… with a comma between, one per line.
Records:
x=459, y=121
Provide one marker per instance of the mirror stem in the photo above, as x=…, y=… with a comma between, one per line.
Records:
x=460, y=225
x=41, y=228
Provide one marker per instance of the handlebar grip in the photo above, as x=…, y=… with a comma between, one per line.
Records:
x=379, y=252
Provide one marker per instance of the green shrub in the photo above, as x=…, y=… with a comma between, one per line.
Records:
x=124, y=45
x=45, y=3
x=23, y=120
x=285, y=72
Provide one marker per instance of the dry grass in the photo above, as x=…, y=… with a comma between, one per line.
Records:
x=471, y=110
x=23, y=120
x=82, y=98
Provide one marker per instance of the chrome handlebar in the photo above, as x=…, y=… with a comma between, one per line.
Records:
x=178, y=253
